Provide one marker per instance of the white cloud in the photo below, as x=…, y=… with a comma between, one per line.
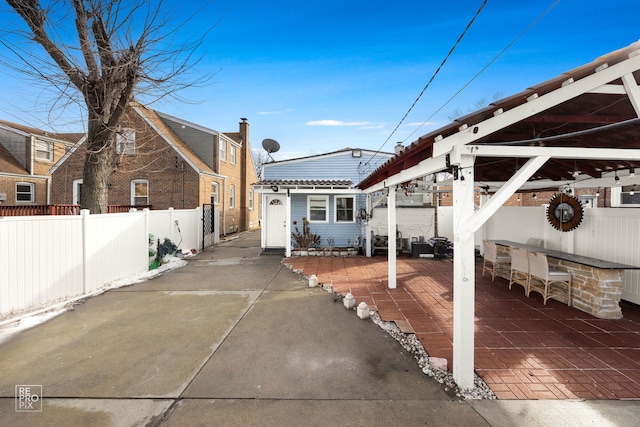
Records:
x=420, y=124
x=336, y=123
x=266, y=113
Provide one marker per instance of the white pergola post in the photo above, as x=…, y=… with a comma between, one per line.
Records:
x=367, y=227
x=287, y=224
x=391, y=232
x=463, y=276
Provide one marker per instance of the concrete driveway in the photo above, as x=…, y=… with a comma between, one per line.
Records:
x=234, y=339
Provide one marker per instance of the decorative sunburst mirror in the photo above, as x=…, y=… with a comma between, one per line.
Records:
x=565, y=212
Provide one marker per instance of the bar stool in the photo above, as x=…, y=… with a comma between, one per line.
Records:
x=549, y=282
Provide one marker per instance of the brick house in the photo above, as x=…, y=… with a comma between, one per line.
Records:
x=26, y=155
x=167, y=162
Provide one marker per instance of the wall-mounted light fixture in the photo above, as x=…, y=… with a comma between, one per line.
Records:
x=274, y=188
x=632, y=171
x=633, y=190
x=616, y=178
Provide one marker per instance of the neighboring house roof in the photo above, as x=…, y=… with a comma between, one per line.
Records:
x=155, y=119
x=306, y=182
x=561, y=112
x=63, y=137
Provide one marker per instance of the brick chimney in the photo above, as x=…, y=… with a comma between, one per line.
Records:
x=245, y=161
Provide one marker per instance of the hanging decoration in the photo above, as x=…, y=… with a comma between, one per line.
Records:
x=565, y=212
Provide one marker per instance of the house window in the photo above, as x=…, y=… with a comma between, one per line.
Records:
x=25, y=192
x=317, y=208
x=126, y=142
x=77, y=191
x=44, y=151
x=627, y=196
x=223, y=150
x=139, y=192
x=250, y=200
x=345, y=209
x=232, y=197
x=233, y=153
x=215, y=193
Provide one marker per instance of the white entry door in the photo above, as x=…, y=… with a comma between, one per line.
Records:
x=276, y=216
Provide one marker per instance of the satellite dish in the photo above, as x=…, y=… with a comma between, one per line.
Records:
x=270, y=145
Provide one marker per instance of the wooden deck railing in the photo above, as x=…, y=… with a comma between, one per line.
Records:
x=32, y=210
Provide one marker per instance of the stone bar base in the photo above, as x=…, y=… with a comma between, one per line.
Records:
x=594, y=290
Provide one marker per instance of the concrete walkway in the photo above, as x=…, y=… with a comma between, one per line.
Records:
x=236, y=339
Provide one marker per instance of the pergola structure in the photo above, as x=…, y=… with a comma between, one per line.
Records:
x=580, y=128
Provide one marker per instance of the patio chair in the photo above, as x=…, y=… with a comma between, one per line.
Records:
x=519, y=272
x=535, y=242
x=492, y=260
x=547, y=281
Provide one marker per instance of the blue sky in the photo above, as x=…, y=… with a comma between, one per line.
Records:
x=318, y=76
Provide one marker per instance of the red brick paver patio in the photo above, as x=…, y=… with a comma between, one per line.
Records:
x=523, y=349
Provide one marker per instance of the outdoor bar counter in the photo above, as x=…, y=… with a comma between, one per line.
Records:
x=596, y=284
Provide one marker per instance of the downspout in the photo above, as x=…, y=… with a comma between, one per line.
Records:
x=224, y=205
x=32, y=154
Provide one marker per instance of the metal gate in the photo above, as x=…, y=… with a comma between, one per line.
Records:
x=208, y=225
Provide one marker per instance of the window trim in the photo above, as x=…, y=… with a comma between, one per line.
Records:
x=215, y=193
x=76, y=191
x=232, y=196
x=318, y=197
x=133, y=191
x=233, y=153
x=617, y=198
x=48, y=151
x=222, y=149
x=335, y=209
x=32, y=192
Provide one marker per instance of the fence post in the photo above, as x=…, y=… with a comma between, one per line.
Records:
x=146, y=229
x=84, y=215
x=171, y=226
x=198, y=213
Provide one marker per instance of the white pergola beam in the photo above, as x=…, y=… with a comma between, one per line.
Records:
x=502, y=195
x=535, y=105
x=425, y=167
x=490, y=150
x=631, y=86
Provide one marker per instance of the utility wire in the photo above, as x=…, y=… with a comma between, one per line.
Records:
x=455, y=45
x=482, y=70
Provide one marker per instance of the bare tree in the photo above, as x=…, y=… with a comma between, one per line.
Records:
x=260, y=158
x=119, y=50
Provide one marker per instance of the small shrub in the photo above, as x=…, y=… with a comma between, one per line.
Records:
x=305, y=239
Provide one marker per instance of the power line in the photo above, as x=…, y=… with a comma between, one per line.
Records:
x=483, y=69
x=455, y=45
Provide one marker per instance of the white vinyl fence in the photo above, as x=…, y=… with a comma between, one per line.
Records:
x=45, y=259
